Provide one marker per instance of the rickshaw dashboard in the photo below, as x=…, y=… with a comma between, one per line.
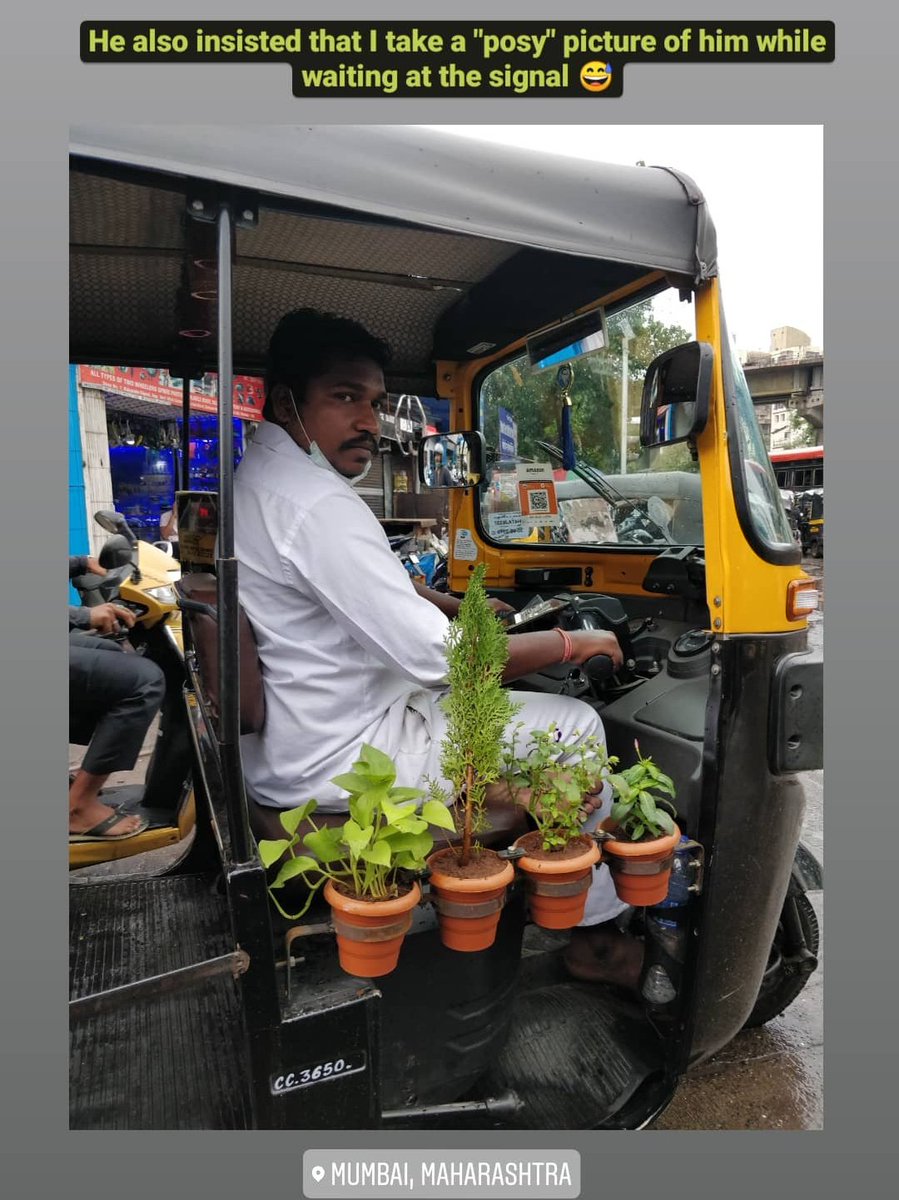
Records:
x=656, y=644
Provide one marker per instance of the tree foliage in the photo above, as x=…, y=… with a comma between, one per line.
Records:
x=535, y=400
x=803, y=432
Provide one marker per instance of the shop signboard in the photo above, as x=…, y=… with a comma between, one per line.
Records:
x=160, y=387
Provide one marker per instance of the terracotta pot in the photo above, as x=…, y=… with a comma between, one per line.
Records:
x=641, y=870
x=370, y=932
x=469, y=909
x=557, y=887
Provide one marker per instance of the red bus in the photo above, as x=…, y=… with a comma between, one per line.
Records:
x=800, y=469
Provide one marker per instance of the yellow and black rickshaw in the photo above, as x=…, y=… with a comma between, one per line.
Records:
x=571, y=314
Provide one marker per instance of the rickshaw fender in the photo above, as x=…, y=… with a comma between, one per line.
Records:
x=807, y=874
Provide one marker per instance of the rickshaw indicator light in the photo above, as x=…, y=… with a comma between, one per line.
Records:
x=802, y=598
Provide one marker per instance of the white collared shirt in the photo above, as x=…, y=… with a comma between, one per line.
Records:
x=344, y=639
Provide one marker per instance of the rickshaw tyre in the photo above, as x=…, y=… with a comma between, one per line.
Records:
x=783, y=983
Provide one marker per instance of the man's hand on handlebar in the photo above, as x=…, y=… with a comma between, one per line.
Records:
x=530, y=652
x=587, y=643
x=105, y=617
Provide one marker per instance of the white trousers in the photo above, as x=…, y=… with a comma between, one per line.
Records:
x=419, y=760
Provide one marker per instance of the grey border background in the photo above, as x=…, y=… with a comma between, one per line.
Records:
x=44, y=86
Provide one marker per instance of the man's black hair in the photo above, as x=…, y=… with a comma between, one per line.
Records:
x=303, y=345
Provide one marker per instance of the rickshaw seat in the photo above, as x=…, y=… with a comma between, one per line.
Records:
x=505, y=822
x=198, y=591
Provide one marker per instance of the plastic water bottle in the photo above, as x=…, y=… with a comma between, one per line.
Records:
x=666, y=939
x=679, y=880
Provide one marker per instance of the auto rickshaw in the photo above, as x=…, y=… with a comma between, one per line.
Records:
x=811, y=523
x=193, y=1005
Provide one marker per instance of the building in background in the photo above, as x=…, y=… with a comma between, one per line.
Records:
x=787, y=387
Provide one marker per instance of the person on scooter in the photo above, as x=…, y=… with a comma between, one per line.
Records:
x=113, y=698
x=349, y=652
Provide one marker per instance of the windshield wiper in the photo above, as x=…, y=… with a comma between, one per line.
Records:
x=595, y=479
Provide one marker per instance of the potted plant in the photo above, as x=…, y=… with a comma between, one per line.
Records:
x=359, y=862
x=558, y=858
x=643, y=838
x=468, y=881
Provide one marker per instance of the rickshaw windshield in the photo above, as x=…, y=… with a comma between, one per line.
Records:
x=607, y=489
x=765, y=502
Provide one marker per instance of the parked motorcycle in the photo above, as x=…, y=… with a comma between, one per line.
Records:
x=141, y=577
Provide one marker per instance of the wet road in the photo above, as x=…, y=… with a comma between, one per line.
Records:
x=770, y=1078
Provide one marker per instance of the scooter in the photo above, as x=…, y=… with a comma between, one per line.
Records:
x=141, y=577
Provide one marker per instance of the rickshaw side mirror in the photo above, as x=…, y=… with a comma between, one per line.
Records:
x=451, y=460
x=675, y=404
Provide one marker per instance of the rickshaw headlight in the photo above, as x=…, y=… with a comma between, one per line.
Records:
x=802, y=598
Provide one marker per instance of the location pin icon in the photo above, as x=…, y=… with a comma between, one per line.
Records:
x=318, y=1174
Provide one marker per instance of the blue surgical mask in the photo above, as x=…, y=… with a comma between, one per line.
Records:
x=318, y=457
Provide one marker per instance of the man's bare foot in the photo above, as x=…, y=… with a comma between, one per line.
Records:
x=85, y=818
x=604, y=954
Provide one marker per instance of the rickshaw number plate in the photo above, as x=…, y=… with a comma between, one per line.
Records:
x=318, y=1072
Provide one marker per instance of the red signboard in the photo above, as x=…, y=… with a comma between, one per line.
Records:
x=159, y=387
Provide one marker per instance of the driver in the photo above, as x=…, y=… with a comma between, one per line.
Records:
x=351, y=651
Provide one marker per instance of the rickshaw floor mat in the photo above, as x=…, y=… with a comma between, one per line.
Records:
x=171, y=1061
x=574, y=1055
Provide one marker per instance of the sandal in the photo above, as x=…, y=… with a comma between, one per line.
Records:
x=98, y=832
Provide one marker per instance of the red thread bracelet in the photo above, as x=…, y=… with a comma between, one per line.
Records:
x=568, y=647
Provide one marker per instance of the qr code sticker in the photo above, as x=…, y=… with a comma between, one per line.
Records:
x=538, y=501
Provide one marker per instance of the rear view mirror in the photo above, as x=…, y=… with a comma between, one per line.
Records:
x=570, y=339
x=113, y=522
x=676, y=392
x=451, y=460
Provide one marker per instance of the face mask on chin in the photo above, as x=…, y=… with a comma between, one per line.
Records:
x=318, y=457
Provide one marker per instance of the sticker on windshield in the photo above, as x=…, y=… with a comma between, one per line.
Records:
x=505, y=526
x=537, y=494
x=464, y=547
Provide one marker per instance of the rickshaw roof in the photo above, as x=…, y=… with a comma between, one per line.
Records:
x=445, y=246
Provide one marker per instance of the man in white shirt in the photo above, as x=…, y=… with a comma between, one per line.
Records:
x=350, y=651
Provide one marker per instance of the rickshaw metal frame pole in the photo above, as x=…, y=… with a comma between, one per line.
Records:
x=185, y=433
x=226, y=563
x=183, y=480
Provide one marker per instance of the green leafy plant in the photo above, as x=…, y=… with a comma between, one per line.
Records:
x=478, y=708
x=384, y=833
x=555, y=790
x=639, y=812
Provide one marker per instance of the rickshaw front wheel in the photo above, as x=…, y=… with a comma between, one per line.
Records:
x=787, y=972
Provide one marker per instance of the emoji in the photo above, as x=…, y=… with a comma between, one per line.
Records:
x=596, y=76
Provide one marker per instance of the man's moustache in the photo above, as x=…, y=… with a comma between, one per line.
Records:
x=367, y=443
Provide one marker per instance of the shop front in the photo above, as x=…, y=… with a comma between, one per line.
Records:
x=132, y=441
x=133, y=448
